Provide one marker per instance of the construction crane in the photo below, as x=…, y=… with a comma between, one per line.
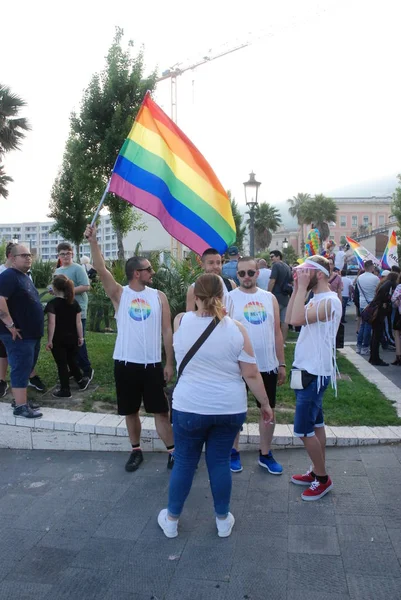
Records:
x=172, y=73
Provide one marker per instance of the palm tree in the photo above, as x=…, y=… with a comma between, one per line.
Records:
x=320, y=210
x=4, y=179
x=238, y=220
x=296, y=204
x=267, y=220
x=12, y=129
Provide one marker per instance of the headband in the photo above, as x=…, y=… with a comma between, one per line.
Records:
x=310, y=264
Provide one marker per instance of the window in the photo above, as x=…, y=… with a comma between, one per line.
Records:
x=354, y=221
x=381, y=220
x=366, y=220
x=45, y=242
x=106, y=237
x=343, y=221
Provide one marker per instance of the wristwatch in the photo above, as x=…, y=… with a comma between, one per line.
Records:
x=282, y=365
x=10, y=326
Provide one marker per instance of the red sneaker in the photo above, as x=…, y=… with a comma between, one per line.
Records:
x=317, y=490
x=305, y=479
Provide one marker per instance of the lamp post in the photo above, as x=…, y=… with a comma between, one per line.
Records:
x=251, y=188
x=15, y=239
x=285, y=243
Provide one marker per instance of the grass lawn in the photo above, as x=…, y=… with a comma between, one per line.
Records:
x=358, y=402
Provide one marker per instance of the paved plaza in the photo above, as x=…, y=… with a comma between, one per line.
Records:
x=75, y=525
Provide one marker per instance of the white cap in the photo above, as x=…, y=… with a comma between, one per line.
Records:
x=385, y=272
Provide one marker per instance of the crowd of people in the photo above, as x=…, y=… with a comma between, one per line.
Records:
x=230, y=340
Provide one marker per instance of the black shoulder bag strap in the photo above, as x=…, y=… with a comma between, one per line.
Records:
x=194, y=349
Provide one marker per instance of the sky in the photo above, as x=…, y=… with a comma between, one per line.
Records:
x=310, y=105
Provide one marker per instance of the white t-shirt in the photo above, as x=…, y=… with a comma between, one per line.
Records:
x=211, y=383
x=346, y=285
x=264, y=277
x=367, y=283
x=2, y=268
x=139, y=317
x=256, y=313
x=315, y=350
x=339, y=260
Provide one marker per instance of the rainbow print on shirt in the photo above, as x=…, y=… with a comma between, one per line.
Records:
x=255, y=313
x=139, y=310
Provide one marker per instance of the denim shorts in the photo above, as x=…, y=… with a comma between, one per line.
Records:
x=22, y=356
x=308, y=408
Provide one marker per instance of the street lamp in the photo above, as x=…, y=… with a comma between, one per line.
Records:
x=15, y=239
x=251, y=188
x=285, y=243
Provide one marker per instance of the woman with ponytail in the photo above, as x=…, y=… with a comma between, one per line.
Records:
x=209, y=401
x=65, y=335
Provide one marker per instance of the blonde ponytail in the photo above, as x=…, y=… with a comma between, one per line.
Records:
x=209, y=289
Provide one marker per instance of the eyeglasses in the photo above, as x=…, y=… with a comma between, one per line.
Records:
x=63, y=254
x=148, y=269
x=249, y=272
x=26, y=255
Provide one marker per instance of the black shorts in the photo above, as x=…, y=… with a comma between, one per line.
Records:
x=3, y=352
x=270, y=381
x=136, y=383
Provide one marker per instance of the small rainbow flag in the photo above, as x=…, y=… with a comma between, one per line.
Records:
x=361, y=253
x=390, y=255
x=160, y=171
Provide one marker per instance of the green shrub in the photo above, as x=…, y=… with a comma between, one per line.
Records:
x=42, y=272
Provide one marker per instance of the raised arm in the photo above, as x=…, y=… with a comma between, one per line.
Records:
x=111, y=287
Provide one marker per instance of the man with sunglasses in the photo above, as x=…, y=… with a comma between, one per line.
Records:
x=258, y=311
x=77, y=274
x=21, y=326
x=143, y=317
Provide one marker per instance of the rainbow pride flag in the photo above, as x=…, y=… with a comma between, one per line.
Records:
x=160, y=171
x=361, y=253
x=390, y=255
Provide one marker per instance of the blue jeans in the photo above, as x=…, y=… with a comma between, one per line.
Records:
x=191, y=431
x=364, y=335
x=83, y=358
x=309, y=408
x=22, y=356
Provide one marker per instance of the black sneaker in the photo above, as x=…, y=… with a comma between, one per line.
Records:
x=37, y=383
x=30, y=403
x=3, y=388
x=25, y=411
x=135, y=459
x=83, y=384
x=61, y=394
x=170, y=461
x=90, y=374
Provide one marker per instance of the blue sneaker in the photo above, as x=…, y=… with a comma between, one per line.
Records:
x=235, y=461
x=268, y=462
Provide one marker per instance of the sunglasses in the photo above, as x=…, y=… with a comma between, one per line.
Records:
x=148, y=269
x=250, y=273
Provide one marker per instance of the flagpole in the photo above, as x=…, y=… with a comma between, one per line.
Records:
x=100, y=204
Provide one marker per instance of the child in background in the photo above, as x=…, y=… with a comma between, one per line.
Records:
x=65, y=335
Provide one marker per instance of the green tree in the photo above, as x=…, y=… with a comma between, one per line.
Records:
x=320, y=210
x=396, y=210
x=267, y=221
x=289, y=255
x=296, y=204
x=108, y=109
x=12, y=129
x=239, y=222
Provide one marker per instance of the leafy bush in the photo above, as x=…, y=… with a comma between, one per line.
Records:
x=175, y=280
x=42, y=272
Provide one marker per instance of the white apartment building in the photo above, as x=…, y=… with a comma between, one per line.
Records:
x=43, y=244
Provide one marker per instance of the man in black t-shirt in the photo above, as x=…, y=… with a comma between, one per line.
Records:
x=280, y=286
x=21, y=325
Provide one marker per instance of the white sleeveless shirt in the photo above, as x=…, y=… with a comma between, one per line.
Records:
x=227, y=302
x=139, y=318
x=211, y=383
x=256, y=313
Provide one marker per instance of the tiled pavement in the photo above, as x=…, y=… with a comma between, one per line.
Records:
x=75, y=525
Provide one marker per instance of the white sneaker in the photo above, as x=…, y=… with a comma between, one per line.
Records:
x=365, y=351
x=170, y=528
x=225, y=526
x=358, y=349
